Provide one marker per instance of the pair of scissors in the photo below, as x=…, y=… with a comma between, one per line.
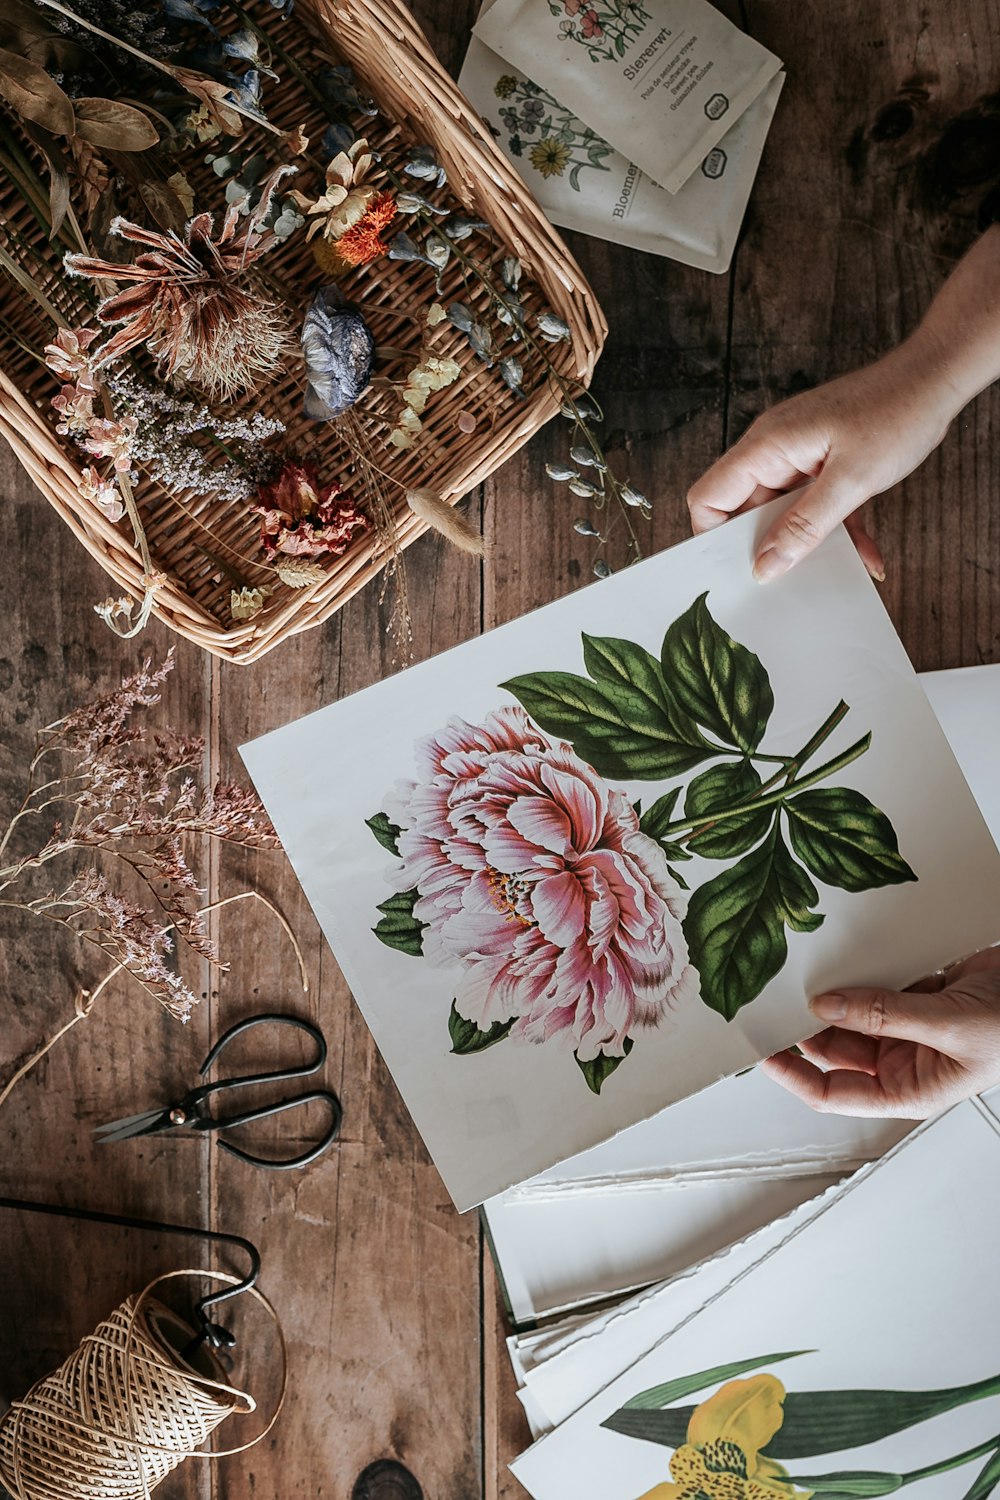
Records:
x=191, y=1113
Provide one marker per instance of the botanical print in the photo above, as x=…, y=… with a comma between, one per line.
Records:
x=563, y=902
x=564, y=141
x=729, y=1447
x=606, y=30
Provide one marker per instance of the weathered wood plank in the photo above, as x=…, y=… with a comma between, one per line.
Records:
x=883, y=156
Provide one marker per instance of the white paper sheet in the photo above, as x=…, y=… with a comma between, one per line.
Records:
x=891, y=1286
x=506, y=1113
x=552, y=1253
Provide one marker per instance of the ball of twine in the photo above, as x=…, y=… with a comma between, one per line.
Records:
x=123, y=1411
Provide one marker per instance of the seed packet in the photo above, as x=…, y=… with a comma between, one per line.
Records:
x=661, y=80
x=583, y=183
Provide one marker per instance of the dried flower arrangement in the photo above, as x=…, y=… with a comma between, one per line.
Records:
x=258, y=309
x=127, y=796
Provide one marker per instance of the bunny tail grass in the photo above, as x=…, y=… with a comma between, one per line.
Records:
x=430, y=507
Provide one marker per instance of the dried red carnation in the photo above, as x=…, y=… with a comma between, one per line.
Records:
x=302, y=518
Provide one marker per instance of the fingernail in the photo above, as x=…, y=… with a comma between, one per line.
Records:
x=829, y=1007
x=770, y=564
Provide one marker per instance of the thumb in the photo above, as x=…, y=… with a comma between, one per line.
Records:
x=931, y=1020
x=814, y=513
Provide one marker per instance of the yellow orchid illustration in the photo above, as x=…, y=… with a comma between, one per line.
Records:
x=721, y=1459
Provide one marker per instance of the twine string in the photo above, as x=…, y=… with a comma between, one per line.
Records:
x=125, y=1409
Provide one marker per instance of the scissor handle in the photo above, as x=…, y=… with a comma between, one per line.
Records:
x=273, y=1109
x=207, y=1089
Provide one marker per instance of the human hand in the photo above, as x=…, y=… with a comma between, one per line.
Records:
x=906, y=1054
x=845, y=442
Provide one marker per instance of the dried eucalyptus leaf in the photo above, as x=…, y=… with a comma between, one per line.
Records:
x=461, y=317
x=288, y=220
x=583, y=489
x=512, y=374
x=510, y=272
x=561, y=472
x=634, y=497
x=224, y=164
x=236, y=192
x=339, y=353
x=459, y=227
x=552, y=329
x=35, y=96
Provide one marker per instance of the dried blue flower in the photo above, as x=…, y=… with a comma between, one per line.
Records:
x=459, y=227
x=402, y=247
x=585, y=528
x=601, y=569
x=339, y=352
x=512, y=374
x=184, y=10
x=245, y=45
x=634, y=497
x=583, y=409
x=245, y=90
x=423, y=163
x=510, y=272
x=338, y=86
x=561, y=472
x=336, y=138
x=552, y=329
x=413, y=203
x=461, y=317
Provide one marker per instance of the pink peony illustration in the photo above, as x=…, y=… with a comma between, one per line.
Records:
x=532, y=874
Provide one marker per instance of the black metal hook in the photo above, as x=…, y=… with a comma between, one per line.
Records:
x=210, y=1333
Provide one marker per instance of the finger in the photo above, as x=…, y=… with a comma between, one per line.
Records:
x=807, y=522
x=750, y=465
x=867, y=548
x=837, y=1092
x=834, y=1048
x=912, y=1015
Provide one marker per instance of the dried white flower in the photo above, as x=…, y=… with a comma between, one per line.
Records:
x=245, y=603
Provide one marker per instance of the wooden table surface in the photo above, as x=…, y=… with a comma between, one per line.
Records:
x=885, y=149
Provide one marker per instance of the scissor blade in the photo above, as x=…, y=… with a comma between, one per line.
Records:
x=147, y=1123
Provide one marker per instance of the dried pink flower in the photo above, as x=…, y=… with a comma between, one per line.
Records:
x=76, y=410
x=109, y=439
x=67, y=357
x=103, y=493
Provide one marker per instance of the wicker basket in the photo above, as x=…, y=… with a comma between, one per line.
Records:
x=191, y=538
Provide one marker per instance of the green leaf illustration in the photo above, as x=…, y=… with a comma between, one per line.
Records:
x=793, y=892
x=818, y=1422
x=845, y=840
x=986, y=1481
x=722, y=786
x=815, y=1422
x=722, y=685
x=618, y=729
x=634, y=670
x=653, y=821
x=599, y=1069
x=735, y=925
x=851, y=1484
x=387, y=833
x=466, y=1036
x=673, y=1390
x=398, y=927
